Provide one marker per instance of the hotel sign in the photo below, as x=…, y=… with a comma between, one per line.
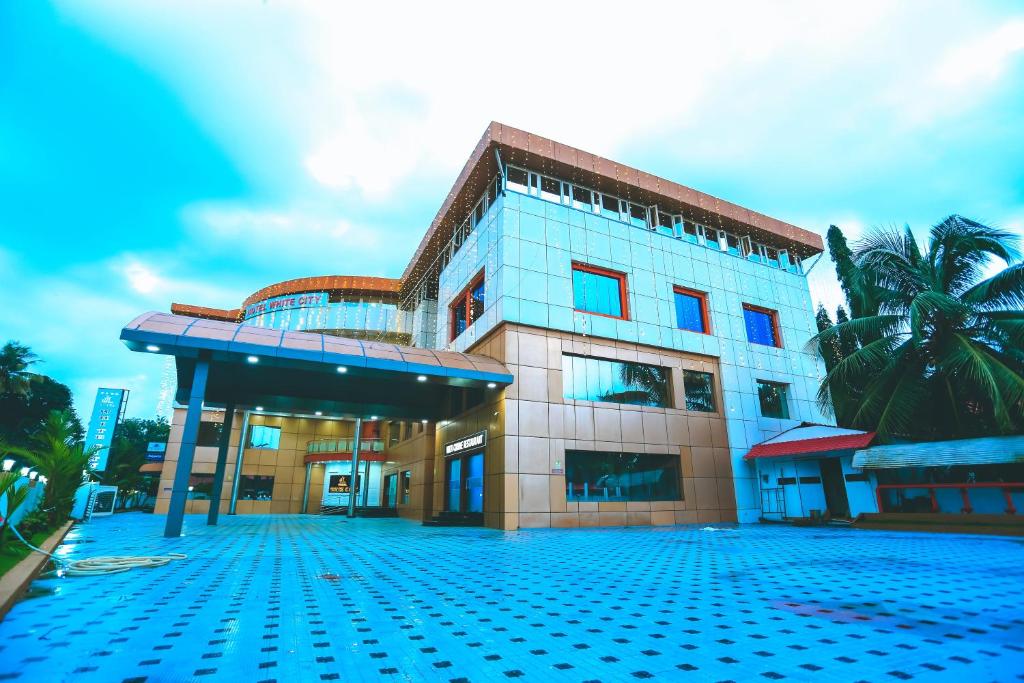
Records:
x=106, y=413
x=469, y=443
x=284, y=303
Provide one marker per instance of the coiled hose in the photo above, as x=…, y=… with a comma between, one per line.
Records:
x=99, y=566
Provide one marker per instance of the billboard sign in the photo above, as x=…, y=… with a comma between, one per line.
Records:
x=287, y=302
x=106, y=413
x=155, y=451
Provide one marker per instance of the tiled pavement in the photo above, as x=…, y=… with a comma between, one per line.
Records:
x=295, y=598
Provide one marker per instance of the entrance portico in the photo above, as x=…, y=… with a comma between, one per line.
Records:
x=221, y=364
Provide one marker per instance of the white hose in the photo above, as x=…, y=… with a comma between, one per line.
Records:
x=99, y=566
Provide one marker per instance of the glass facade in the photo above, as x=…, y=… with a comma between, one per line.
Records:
x=595, y=290
x=773, y=399
x=261, y=436
x=608, y=476
x=596, y=379
x=691, y=310
x=699, y=389
x=255, y=487
x=760, y=325
x=358, y=317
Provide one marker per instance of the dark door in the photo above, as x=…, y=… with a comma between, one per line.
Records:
x=391, y=490
x=835, y=487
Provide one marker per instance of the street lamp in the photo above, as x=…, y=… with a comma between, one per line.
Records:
x=24, y=471
x=32, y=475
x=8, y=464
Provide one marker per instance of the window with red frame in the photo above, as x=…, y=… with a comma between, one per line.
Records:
x=762, y=325
x=600, y=291
x=691, y=310
x=467, y=307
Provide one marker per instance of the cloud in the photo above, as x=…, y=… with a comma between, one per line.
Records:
x=984, y=58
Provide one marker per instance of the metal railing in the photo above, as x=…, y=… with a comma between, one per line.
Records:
x=344, y=446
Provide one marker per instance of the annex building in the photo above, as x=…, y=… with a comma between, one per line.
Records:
x=574, y=343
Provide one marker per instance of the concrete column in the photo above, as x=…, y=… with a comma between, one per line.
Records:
x=222, y=463
x=305, y=491
x=242, y=436
x=355, y=468
x=179, y=490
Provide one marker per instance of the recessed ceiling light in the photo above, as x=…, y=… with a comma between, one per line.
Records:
x=421, y=378
x=423, y=421
x=253, y=359
x=491, y=385
x=259, y=407
x=342, y=368
x=152, y=347
x=319, y=413
x=373, y=417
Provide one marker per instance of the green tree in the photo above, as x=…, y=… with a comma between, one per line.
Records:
x=128, y=453
x=15, y=361
x=60, y=456
x=828, y=349
x=21, y=415
x=945, y=358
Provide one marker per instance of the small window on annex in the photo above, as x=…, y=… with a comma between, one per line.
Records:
x=255, y=487
x=607, y=476
x=467, y=307
x=262, y=436
x=597, y=379
x=699, y=389
x=773, y=398
x=691, y=310
x=762, y=325
x=596, y=290
x=209, y=433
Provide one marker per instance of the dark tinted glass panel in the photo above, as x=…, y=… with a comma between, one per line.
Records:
x=478, y=214
x=760, y=327
x=690, y=312
x=550, y=189
x=638, y=215
x=773, y=401
x=690, y=232
x=581, y=198
x=665, y=224
x=596, y=293
x=261, y=436
x=610, y=206
x=732, y=244
x=699, y=388
x=406, y=485
x=209, y=434
x=600, y=476
x=516, y=179
x=200, y=486
x=253, y=487
x=597, y=379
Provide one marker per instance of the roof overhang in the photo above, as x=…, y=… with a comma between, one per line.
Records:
x=993, y=450
x=811, y=441
x=298, y=372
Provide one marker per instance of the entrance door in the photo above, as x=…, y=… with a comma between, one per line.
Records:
x=391, y=490
x=465, y=483
x=835, y=487
x=454, y=478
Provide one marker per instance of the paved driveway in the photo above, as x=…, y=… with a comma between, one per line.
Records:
x=296, y=598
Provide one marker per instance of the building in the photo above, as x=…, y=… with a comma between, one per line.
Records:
x=574, y=342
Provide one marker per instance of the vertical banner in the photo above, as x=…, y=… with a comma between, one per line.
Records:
x=106, y=413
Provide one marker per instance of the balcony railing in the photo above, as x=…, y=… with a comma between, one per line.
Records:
x=344, y=446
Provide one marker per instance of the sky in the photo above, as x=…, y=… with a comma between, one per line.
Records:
x=195, y=151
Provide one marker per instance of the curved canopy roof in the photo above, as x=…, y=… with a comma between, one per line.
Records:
x=306, y=372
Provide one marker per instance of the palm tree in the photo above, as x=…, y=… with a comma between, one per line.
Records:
x=60, y=457
x=15, y=361
x=943, y=357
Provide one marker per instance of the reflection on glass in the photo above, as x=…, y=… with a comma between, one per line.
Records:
x=606, y=476
x=255, y=487
x=760, y=326
x=689, y=312
x=200, y=486
x=596, y=292
x=772, y=397
x=597, y=379
x=262, y=436
x=699, y=388
x=455, y=485
x=475, y=483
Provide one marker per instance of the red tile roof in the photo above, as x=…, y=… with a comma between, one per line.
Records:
x=778, y=449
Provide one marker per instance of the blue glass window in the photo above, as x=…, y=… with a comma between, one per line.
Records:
x=598, y=291
x=760, y=324
x=597, y=379
x=261, y=436
x=468, y=307
x=690, y=311
x=599, y=476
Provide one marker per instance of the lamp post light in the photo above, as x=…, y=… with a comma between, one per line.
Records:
x=24, y=471
x=8, y=464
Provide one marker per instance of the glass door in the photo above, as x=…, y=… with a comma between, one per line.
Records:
x=391, y=490
x=454, y=466
x=475, y=482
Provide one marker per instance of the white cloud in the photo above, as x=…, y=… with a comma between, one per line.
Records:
x=984, y=58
